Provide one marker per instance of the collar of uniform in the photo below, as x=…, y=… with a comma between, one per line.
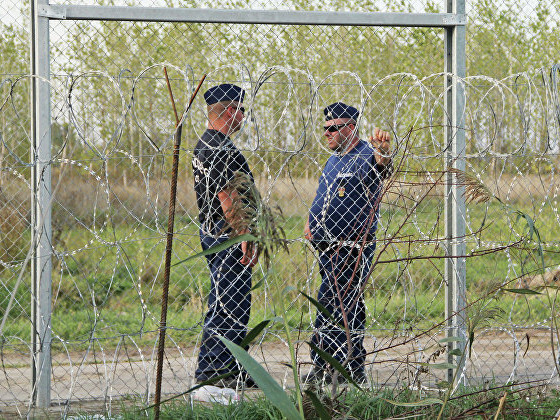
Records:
x=214, y=138
x=356, y=149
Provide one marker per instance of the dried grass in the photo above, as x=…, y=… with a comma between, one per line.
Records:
x=80, y=194
x=508, y=188
x=249, y=212
x=549, y=278
x=475, y=190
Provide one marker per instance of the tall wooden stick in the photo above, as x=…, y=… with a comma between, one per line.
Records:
x=172, y=99
x=169, y=245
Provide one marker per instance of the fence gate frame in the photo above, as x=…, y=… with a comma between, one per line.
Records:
x=454, y=24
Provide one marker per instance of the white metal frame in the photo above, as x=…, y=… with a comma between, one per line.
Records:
x=271, y=17
x=453, y=21
x=40, y=155
x=455, y=207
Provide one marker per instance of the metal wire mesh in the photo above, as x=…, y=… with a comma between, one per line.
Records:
x=112, y=138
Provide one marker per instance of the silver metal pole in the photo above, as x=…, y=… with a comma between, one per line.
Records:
x=33, y=112
x=455, y=208
x=41, y=209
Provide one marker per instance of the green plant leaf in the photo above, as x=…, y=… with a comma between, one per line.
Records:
x=322, y=309
x=456, y=352
x=288, y=289
x=319, y=407
x=271, y=389
x=443, y=366
x=437, y=365
x=259, y=284
x=334, y=363
x=220, y=247
x=251, y=335
x=532, y=230
x=421, y=403
x=443, y=384
x=523, y=291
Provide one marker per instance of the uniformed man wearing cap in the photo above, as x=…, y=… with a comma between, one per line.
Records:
x=341, y=226
x=215, y=160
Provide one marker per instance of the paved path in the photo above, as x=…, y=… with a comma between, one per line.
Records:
x=96, y=380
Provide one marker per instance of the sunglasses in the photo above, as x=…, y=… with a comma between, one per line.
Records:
x=240, y=108
x=335, y=127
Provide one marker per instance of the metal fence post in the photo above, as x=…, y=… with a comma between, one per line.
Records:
x=40, y=157
x=455, y=208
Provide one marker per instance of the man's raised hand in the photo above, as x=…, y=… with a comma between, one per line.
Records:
x=381, y=141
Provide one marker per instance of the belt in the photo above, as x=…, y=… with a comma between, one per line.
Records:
x=324, y=246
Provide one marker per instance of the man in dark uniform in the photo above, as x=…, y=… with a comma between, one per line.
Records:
x=215, y=160
x=341, y=226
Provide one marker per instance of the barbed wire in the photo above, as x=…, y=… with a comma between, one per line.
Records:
x=112, y=139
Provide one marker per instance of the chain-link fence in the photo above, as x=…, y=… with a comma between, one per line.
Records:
x=112, y=139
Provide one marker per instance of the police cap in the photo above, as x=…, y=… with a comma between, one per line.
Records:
x=340, y=110
x=224, y=92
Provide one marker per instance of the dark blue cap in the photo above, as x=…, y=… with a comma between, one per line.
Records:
x=340, y=110
x=224, y=92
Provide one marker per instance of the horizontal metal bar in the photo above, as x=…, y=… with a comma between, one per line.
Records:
x=272, y=17
x=44, y=10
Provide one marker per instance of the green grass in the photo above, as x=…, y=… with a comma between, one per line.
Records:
x=111, y=280
x=474, y=403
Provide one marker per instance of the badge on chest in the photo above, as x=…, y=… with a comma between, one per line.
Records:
x=341, y=191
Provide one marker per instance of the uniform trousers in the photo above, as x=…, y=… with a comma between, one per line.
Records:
x=344, y=271
x=229, y=306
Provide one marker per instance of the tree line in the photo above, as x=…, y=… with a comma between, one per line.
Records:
x=502, y=39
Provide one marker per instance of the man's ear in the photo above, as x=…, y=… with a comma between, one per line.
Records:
x=230, y=109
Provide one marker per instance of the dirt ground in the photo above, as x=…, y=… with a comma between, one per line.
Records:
x=99, y=381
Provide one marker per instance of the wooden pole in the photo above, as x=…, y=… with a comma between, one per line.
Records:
x=169, y=245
